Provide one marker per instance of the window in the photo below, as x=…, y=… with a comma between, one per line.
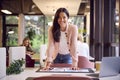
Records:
x=35, y=30
x=11, y=30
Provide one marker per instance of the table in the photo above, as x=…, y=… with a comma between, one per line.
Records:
x=31, y=72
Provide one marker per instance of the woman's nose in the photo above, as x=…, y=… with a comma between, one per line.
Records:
x=62, y=19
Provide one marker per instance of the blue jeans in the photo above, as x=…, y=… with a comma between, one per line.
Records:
x=63, y=59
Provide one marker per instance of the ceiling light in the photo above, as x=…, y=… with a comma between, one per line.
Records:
x=11, y=31
x=117, y=23
x=6, y=11
x=87, y=6
x=31, y=12
x=31, y=8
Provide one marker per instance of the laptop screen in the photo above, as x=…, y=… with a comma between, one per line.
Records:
x=110, y=66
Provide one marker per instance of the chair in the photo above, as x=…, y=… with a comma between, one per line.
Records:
x=2, y=62
x=29, y=62
x=83, y=49
x=16, y=53
x=62, y=77
x=84, y=62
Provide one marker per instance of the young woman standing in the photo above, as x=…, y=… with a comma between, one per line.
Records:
x=62, y=41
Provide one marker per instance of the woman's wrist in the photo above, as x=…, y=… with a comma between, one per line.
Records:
x=48, y=64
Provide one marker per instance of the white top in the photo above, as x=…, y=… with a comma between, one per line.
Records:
x=63, y=47
x=83, y=49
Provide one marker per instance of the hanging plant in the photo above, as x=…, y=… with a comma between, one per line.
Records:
x=31, y=34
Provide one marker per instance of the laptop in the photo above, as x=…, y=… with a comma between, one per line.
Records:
x=110, y=66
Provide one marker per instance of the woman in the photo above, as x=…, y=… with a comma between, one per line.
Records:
x=26, y=43
x=83, y=48
x=29, y=52
x=62, y=41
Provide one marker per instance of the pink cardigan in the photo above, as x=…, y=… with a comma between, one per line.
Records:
x=52, y=50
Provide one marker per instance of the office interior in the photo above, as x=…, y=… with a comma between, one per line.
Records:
x=97, y=20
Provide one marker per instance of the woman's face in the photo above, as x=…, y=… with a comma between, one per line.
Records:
x=26, y=42
x=63, y=19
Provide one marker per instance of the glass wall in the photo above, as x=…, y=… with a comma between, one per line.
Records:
x=117, y=28
x=11, y=30
x=36, y=28
x=12, y=36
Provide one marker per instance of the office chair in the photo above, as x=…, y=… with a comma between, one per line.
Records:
x=84, y=62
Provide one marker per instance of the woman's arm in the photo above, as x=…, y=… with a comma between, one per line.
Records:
x=29, y=50
x=73, y=47
x=49, y=48
x=29, y=53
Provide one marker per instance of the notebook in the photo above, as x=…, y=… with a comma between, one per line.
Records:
x=110, y=66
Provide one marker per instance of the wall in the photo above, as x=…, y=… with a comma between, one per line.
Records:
x=0, y=30
x=2, y=63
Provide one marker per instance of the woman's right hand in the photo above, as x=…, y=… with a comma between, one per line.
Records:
x=47, y=66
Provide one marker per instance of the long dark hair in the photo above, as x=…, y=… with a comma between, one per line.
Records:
x=56, y=27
